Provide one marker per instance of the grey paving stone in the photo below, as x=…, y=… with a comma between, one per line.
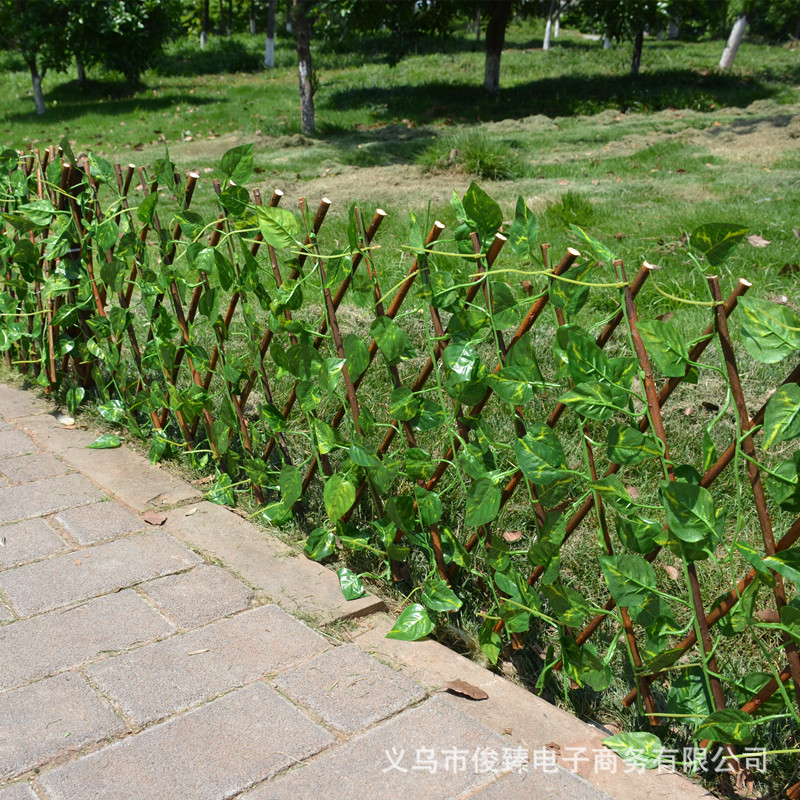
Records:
x=210, y=753
x=81, y=574
x=194, y=598
x=155, y=681
x=46, y=496
x=15, y=443
x=348, y=689
x=540, y=784
x=99, y=522
x=33, y=648
x=5, y=614
x=19, y=403
x=48, y=719
x=18, y=791
x=32, y=468
x=362, y=768
x=28, y=541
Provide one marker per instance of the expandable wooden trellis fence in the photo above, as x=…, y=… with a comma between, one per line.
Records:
x=203, y=333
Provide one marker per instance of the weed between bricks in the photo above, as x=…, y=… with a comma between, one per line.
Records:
x=479, y=425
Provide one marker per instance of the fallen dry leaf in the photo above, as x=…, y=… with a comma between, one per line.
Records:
x=708, y=406
x=767, y=615
x=671, y=571
x=190, y=512
x=789, y=269
x=665, y=317
x=512, y=536
x=556, y=748
x=203, y=481
x=633, y=492
x=154, y=518
x=465, y=689
x=758, y=241
x=688, y=411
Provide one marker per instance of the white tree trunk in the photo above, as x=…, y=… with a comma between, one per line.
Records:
x=608, y=43
x=81, y=70
x=556, y=26
x=673, y=29
x=269, y=52
x=38, y=95
x=203, y=39
x=548, y=31
x=491, y=75
x=734, y=40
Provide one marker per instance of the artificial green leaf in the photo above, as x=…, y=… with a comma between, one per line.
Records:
x=430, y=417
x=75, y=395
x=569, y=292
x=100, y=169
x=715, y=240
x=412, y=624
x=339, y=495
x=636, y=533
x=540, y=455
x=524, y=229
x=352, y=587
x=221, y=491
x=278, y=226
x=752, y=683
x=235, y=200
x=400, y=510
x=640, y=748
x=666, y=347
x=726, y=726
x=483, y=211
x=591, y=399
x=107, y=441
x=690, y=511
x=390, y=338
x=483, y=503
x=786, y=563
x=429, y=506
x=630, y=579
x=688, y=693
x=511, y=384
x=452, y=549
x=356, y=355
x=490, y=642
x=112, y=410
x=320, y=544
x=237, y=164
x=783, y=483
x=419, y=464
x=583, y=665
x=709, y=451
x=568, y=606
x=628, y=446
x=770, y=331
x=598, y=248
x=782, y=416
x=291, y=485
x=403, y=405
x=438, y=596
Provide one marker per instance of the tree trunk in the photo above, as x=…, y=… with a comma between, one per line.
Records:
x=608, y=42
x=204, y=26
x=478, y=24
x=221, y=27
x=252, y=17
x=269, y=46
x=734, y=40
x=673, y=29
x=499, y=12
x=548, y=27
x=79, y=66
x=636, y=61
x=289, y=16
x=302, y=26
x=229, y=29
x=38, y=95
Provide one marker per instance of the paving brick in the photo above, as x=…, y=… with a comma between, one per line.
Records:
x=81, y=574
x=99, y=522
x=540, y=784
x=155, y=681
x=361, y=769
x=18, y=791
x=210, y=753
x=48, y=719
x=348, y=689
x=194, y=598
x=33, y=648
x=19, y=403
x=5, y=614
x=46, y=496
x=27, y=541
x=34, y=467
x=15, y=443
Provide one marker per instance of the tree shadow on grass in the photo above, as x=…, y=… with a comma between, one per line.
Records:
x=555, y=97
x=68, y=100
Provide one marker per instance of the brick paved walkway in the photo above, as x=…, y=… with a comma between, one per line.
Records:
x=131, y=668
